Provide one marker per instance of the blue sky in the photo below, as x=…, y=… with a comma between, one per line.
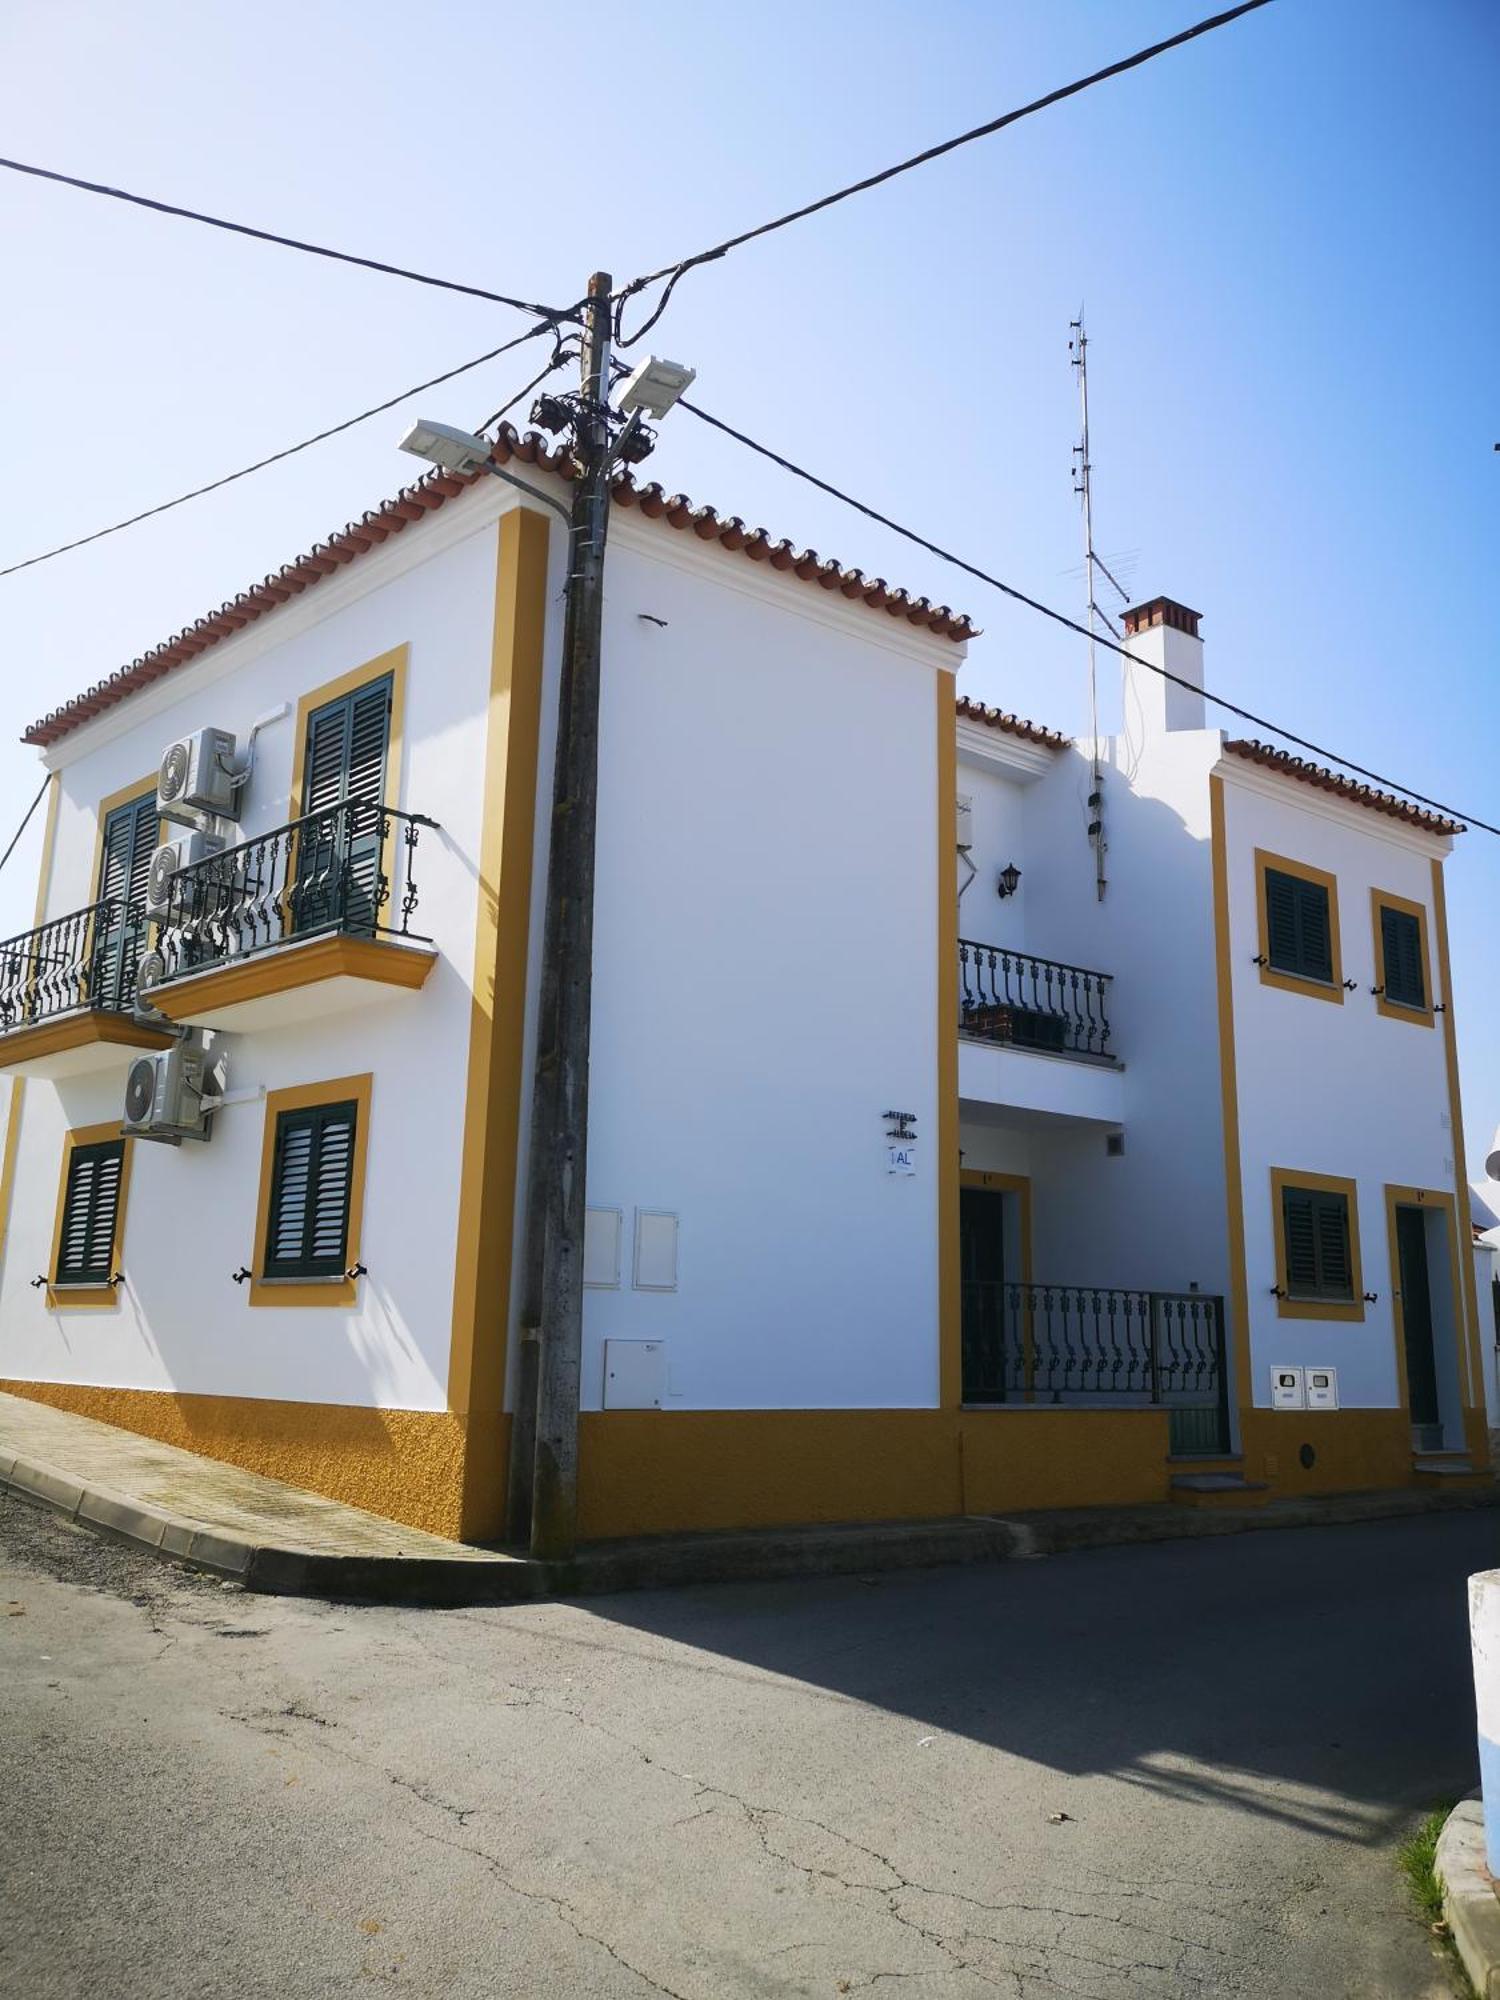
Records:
x=1283, y=236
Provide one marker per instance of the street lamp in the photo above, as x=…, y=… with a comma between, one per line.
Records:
x=463, y=453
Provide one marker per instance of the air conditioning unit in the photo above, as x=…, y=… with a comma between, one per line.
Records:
x=197, y=776
x=150, y=971
x=183, y=851
x=965, y=821
x=171, y=1097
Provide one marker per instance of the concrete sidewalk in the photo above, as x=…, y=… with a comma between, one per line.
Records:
x=276, y=1538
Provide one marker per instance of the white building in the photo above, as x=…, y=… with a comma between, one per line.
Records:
x=893, y=1212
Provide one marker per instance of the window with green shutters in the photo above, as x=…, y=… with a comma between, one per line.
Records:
x=1401, y=957
x=128, y=839
x=1299, y=926
x=91, y=1214
x=1315, y=1234
x=344, y=763
x=312, y=1173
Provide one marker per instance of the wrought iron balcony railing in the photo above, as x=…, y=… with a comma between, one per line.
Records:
x=1026, y=1343
x=1032, y=1003
x=86, y=959
x=329, y=871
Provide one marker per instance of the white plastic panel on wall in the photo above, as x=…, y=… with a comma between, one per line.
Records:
x=602, y=1230
x=655, y=1250
x=635, y=1374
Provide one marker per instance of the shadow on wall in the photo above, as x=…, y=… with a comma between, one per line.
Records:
x=1277, y=1674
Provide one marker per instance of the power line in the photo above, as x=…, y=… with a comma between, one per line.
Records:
x=549, y=313
x=674, y=272
x=25, y=821
x=291, y=450
x=1072, y=625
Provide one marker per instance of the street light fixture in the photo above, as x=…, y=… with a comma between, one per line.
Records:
x=463, y=453
x=655, y=386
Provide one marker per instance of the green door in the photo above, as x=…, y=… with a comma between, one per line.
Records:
x=981, y=1249
x=1416, y=1316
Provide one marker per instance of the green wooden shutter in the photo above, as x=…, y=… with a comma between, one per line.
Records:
x=338, y=861
x=1301, y=1236
x=127, y=843
x=1401, y=949
x=312, y=1172
x=1299, y=930
x=1315, y=1234
x=91, y=1208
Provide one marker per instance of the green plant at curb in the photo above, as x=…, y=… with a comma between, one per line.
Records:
x=1416, y=1857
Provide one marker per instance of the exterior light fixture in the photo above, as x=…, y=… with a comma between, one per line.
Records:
x=655, y=386
x=446, y=446
x=1010, y=880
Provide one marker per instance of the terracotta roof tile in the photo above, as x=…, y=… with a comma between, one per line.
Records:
x=1308, y=773
x=414, y=503
x=1011, y=725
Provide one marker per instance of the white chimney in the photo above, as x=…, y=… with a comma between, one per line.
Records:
x=1165, y=634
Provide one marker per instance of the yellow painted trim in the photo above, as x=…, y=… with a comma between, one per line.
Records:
x=18, y=1086
x=404, y=1464
x=331, y=956
x=1474, y=1370
x=1291, y=1308
x=1286, y=981
x=88, y=1298
x=1229, y=1101
x=300, y=1097
x=1018, y=1184
x=950, y=1277
x=1419, y=1016
x=76, y=1031
x=495, y=1084
x=1415, y=1197
x=392, y=663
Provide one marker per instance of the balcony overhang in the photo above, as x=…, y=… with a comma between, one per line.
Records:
x=301, y=981
x=83, y=1042
x=1031, y=1087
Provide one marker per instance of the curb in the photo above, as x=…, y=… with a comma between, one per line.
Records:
x=667, y=1561
x=1469, y=1900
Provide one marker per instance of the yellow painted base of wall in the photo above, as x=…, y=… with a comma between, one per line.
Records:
x=1355, y=1451
x=650, y=1472
x=405, y=1464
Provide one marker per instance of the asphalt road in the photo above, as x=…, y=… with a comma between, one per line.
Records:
x=1174, y=1770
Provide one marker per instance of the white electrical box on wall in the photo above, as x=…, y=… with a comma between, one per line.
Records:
x=635, y=1374
x=1322, y=1388
x=602, y=1229
x=655, y=1250
x=1288, y=1389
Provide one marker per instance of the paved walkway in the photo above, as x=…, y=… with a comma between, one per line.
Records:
x=176, y=1495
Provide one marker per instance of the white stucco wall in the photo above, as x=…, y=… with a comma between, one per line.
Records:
x=1331, y=1089
x=765, y=980
x=180, y=1322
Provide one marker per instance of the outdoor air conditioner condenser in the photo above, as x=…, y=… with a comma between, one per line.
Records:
x=197, y=776
x=170, y=1097
x=182, y=851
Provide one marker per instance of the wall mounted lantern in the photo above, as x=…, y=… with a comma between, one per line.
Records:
x=1010, y=880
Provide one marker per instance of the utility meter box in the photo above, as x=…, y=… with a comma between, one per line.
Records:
x=1288, y=1389
x=635, y=1374
x=1322, y=1388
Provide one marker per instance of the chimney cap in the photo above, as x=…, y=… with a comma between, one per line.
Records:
x=1162, y=611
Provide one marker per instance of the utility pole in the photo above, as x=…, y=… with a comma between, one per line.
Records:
x=544, y=1442
x=1083, y=486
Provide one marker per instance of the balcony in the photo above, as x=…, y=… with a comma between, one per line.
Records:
x=1035, y=1036
x=295, y=924
x=1097, y=1347
x=66, y=993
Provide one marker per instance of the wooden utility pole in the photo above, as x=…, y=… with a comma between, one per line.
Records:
x=544, y=1438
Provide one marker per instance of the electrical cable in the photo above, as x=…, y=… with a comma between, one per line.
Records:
x=25, y=821
x=290, y=451
x=287, y=242
x=1072, y=624
x=673, y=272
